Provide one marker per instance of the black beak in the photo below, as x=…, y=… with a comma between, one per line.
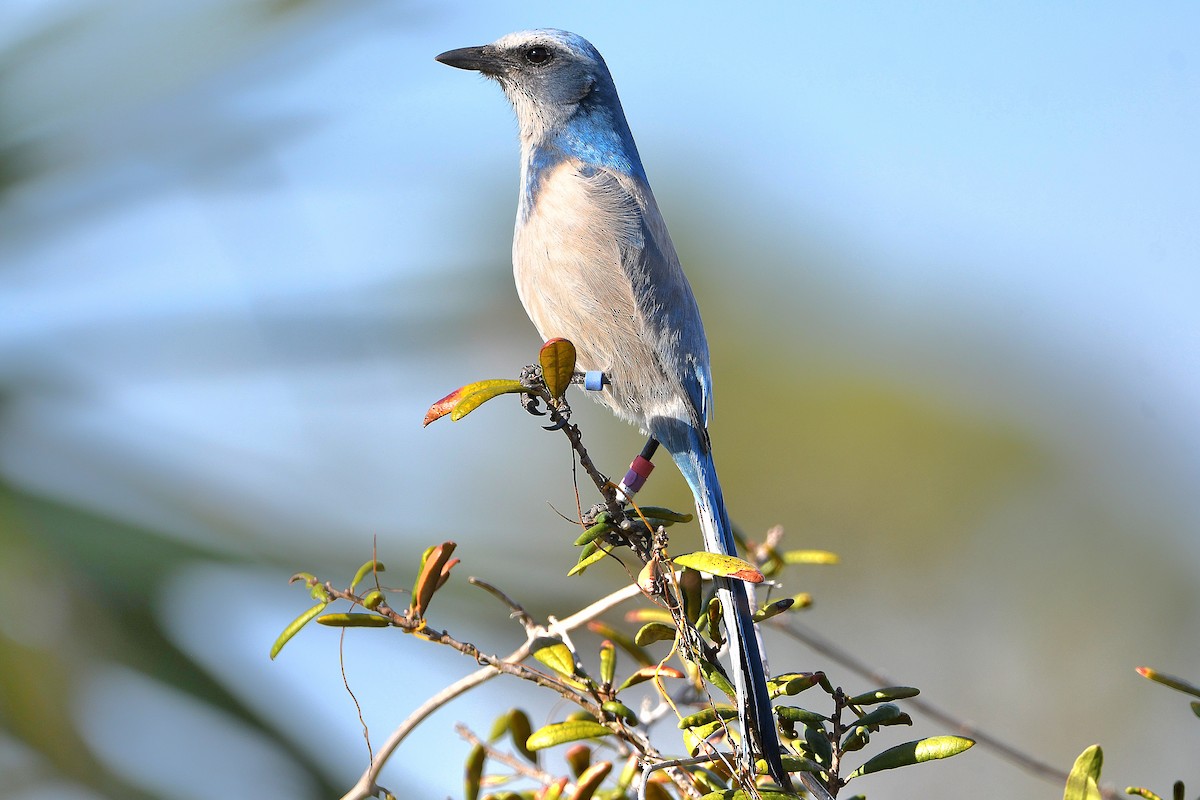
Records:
x=481, y=59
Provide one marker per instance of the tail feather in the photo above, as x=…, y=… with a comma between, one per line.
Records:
x=749, y=673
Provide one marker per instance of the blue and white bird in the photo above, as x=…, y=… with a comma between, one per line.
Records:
x=594, y=264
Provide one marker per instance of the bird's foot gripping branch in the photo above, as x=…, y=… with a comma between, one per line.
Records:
x=659, y=664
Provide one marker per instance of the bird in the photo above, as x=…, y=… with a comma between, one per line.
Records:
x=594, y=263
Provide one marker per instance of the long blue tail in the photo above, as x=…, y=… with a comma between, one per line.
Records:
x=749, y=674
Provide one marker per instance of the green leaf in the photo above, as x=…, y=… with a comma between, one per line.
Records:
x=499, y=727
x=916, y=752
x=791, y=764
x=476, y=394
x=619, y=709
x=555, y=790
x=801, y=715
x=665, y=514
x=294, y=627
x=654, y=632
x=886, y=714
x=608, y=662
x=473, y=772
x=691, y=586
x=773, y=609
x=520, y=728
x=710, y=714
x=1083, y=781
x=719, y=564
x=810, y=557
x=713, y=674
x=883, y=695
x=555, y=655
x=818, y=743
x=366, y=569
x=793, y=683
x=563, y=732
x=1137, y=791
x=354, y=621
x=595, y=532
x=592, y=553
x=1179, y=684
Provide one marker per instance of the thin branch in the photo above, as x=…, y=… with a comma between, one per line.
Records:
x=517, y=765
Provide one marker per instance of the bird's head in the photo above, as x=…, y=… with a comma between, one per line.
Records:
x=545, y=73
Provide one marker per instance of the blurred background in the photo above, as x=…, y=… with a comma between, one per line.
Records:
x=947, y=257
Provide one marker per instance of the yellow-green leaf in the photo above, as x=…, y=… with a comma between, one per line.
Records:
x=801, y=715
x=477, y=394
x=810, y=557
x=563, y=732
x=710, y=714
x=665, y=514
x=595, y=532
x=619, y=709
x=883, y=695
x=520, y=728
x=373, y=599
x=691, y=586
x=719, y=564
x=1138, y=791
x=773, y=609
x=591, y=554
x=557, y=358
x=554, y=791
x=791, y=764
x=608, y=662
x=473, y=772
x=713, y=674
x=654, y=632
x=294, y=627
x=1179, y=684
x=354, y=621
x=555, y=655
x=1084, y=778
x=792, y=683
x=365, y=570
x=916, y=752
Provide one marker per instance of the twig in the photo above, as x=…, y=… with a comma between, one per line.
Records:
x=518, y=612
x=529, y=771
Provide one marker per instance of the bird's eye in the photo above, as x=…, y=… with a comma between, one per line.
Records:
x=538, y=55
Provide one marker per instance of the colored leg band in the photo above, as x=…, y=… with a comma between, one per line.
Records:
x=635, y=479
x=593, y=381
